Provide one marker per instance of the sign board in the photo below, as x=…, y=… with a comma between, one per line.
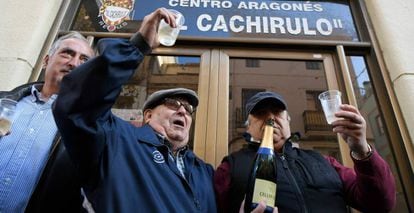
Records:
x=315, y=20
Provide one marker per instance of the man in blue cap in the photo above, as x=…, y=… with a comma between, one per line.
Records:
x=307, y=181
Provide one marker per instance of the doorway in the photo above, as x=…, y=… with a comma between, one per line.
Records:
x=236, y=75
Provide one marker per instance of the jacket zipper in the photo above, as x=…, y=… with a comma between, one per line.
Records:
x=299, y=192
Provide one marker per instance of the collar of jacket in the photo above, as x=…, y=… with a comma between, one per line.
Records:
x=146, y=134
x=288, y=150
x=21, y=91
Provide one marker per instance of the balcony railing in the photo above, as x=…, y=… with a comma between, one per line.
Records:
x=315, y=121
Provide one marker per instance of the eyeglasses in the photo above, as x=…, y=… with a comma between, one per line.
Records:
x=175, y=104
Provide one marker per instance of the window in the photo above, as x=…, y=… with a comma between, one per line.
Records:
x=246, y=95
x=313, y=65
x=299, y=88
x=369, y=108
x=380, y=125
x=252, y=63
x=312, y=101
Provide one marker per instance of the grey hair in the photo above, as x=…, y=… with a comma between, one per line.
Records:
x=57, y=43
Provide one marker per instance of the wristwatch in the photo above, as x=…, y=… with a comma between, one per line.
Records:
x=368, y=154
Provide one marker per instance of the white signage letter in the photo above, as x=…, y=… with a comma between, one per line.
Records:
x=220, y=24
x=200, y=25
x=289, y=26
x=327, y=25
x=232, y=24
x=255, y=23
x=173, y=3
x=306, y=29
x=277, y=23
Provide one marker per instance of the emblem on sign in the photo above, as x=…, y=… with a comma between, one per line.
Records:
x=114, y=13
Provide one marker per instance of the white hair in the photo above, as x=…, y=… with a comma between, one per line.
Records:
x=57, y=43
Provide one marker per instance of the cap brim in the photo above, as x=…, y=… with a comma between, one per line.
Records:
x=156, y=98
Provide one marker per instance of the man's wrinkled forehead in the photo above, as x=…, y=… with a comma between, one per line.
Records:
x=76, y=45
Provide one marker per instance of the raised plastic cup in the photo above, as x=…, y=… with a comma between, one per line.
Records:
x=330, y=101
x=7, y=110
x=168, y=35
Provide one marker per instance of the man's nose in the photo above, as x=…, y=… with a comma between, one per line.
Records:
x=274, y=121
x=181, y=109
x=74, y=62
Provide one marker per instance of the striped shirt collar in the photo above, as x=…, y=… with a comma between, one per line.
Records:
x=178, y=158
x=165, y=141
x=37, y=95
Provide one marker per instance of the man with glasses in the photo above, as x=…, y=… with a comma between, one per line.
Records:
x=169, y=112
x=124, y=168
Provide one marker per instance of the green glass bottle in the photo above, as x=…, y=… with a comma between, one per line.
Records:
x=263, y=176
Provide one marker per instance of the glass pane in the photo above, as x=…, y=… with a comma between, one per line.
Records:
x=299, y=82
x=376, y=133
x=156, y=73
x=90, y=18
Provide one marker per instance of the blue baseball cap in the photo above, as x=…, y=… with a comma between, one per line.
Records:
x=262, y=99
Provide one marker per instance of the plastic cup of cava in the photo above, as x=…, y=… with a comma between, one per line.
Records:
x=330, y=101
x=7, y=109
x=168, y=35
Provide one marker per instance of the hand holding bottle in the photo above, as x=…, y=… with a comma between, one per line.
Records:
x=261, y=207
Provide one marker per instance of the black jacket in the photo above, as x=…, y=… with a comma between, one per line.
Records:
x=304, y=179
x=58, y=189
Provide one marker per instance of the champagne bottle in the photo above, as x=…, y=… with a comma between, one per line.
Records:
x=262, y=180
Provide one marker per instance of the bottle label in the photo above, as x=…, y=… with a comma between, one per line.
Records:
x=264, y=190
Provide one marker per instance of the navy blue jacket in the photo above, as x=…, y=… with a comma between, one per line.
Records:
x=124, y=168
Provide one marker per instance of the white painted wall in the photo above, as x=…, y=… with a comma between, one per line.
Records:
x=25, y=25
x=394, y=29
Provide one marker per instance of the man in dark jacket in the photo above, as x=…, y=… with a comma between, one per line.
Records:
x=307, y=181
x=33, y=162
x=124, y=168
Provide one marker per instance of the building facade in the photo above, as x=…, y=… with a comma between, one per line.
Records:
x=228, y=50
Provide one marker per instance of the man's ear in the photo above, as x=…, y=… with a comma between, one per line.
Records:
x=288, y=116
x=147, y=115
x=45, y=61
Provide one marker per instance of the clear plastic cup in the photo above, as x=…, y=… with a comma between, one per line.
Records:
x=168, y=35
x=7, y=109
x=330, y=101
